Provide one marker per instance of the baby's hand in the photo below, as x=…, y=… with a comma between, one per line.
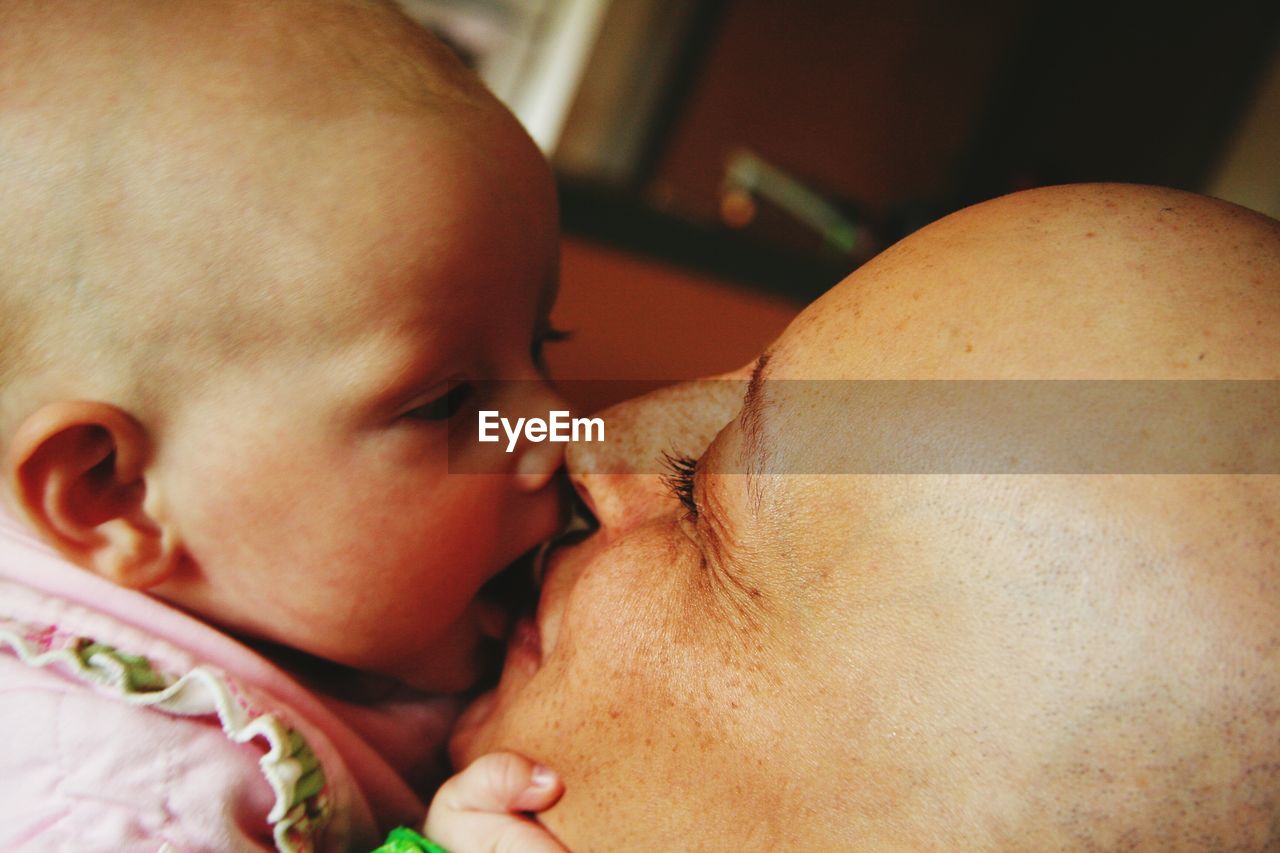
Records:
x=478, y=809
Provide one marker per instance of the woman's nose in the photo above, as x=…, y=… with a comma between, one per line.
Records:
x=617, y=479
x=620, y=478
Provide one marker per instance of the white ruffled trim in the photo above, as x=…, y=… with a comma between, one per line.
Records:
x=200, y=692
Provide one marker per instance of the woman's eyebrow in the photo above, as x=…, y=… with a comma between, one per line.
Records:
x=753, y=418
x=751, y=460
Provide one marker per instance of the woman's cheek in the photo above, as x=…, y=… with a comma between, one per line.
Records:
x=628, y=606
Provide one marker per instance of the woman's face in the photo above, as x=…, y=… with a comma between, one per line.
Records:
x=753, y=652
x=828, y=661
x=681, y=646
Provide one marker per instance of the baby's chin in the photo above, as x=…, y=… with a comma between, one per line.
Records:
x=496, y=718
x=465, y=657
x=469, y=740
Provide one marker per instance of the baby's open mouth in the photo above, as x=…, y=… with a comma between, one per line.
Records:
x=505, y=596
x=511, y=596
x=520, y=587
x=524, y=643
x=580, y=525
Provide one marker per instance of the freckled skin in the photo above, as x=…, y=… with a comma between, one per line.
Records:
x=938, y=662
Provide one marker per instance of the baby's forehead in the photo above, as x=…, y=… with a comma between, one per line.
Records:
x=225, y=92
x=197, y=158
x=310, y=57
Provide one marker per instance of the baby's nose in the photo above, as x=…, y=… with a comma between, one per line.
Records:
x=539, y=461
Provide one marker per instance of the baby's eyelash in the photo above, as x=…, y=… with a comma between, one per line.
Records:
x=679, y=480
x=551, y=336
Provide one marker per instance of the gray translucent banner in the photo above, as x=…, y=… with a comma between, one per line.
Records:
x=892, y=426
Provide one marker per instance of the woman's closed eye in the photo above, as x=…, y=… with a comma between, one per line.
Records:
x=678, y=478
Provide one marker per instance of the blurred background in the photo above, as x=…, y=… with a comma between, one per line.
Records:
x=723, y=162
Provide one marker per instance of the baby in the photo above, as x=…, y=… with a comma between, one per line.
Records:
x=256, y=256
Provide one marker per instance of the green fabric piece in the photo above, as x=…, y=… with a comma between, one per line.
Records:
x=310, y=784
x=138, y=678
x=138, y=674
x=402, y=840
x=312, y=778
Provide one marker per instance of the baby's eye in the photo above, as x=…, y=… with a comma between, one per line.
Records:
x=443, y=407
x=550, y=336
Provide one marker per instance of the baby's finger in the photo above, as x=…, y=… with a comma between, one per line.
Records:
x=490, y=833
x=474, y=810
x=501, y=782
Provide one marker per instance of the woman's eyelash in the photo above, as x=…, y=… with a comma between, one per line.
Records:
x=679, y=480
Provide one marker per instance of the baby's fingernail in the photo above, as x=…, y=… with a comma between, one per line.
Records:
x=542, y=777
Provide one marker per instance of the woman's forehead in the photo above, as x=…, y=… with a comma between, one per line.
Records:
x=1061, y=283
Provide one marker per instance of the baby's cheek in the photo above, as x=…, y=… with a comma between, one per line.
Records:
x=464, y=515
x=490, y=514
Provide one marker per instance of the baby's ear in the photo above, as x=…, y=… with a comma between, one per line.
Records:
x=76, y=470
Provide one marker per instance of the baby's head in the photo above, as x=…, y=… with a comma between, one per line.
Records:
x=247, y=249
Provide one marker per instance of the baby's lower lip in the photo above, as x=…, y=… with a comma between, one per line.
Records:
x=473, y=718
x=493, y=619
x=524, y=648
x=505, y=594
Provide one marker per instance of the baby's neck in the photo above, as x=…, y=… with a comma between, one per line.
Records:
x=325, y=676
